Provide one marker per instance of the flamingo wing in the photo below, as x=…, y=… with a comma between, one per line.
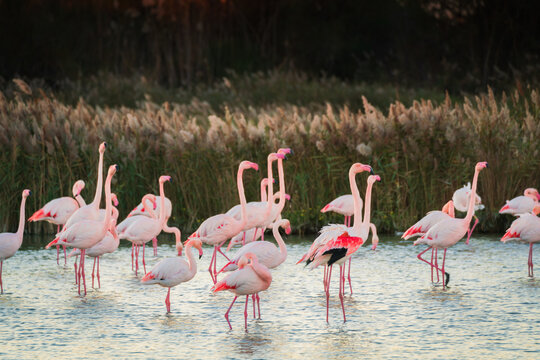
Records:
x=424, y=224
x=518, y=205
x=343, y=204
x=56, y=211
x=526, y=227
x=168, y=272
x=144, y=229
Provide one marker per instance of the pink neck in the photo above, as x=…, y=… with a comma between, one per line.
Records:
x=108, y=203
x=279, y=240
x=356, y=199
x=262, y=272
x=264, y=185
x=162, y=218
x=20, y=229
x=242, y=195
x=148, y=208
x=97, y=198
x=281, y=175
x=367, y=209
x=270, y=200
x=472, y=198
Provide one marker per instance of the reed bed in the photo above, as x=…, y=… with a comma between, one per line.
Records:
x=423, y=152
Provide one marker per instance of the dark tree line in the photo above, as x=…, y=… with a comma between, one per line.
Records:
x=453, y=43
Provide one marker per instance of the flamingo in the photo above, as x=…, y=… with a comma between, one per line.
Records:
x=87, y=233
x=58, y=211
x=426, y=223
x=522, y=204
x=170, y=272
x=140, y=210
x=335, y=245
x=251, y=278
x=343, y=205
x=107, y=245
x=90, y=211
x=219, y=228
x=11, y=242
x=146, y=228
x=254, y=234
x=526, y=227
x=257, y=211
x=461, y=201
x=147, y=207
x=449, y=231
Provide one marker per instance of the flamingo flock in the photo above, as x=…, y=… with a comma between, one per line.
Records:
x=94, y=231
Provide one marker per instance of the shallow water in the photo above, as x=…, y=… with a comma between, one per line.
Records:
x=490, y=309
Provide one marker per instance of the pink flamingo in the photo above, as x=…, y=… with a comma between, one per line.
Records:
x=526, y=228
x=426, y=223
x=140, y=210
x=254, y=234
x=149, y=203
x=343, y=205
x=250, y=278
x=146, y=228
x=257, y=211
x=449, y=231
x=170, y=272
x=87, y=233
x=522, y=204
x=90, y=211
x=267, y=253
x=219, y=228
x=334, y=244
x=59, y=210
x=107, y=245
x=461, y=201
x=11, y=242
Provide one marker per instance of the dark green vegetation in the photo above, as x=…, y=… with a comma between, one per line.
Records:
x=423, y=150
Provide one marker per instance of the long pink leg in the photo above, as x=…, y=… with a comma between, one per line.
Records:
x=345, y=223
x=57, y=254
x=443, y=272
x=432, y=251
x=437, y=264
x=328, y=290
x=1, y=285
x=531, y=260
x=259, y=305
x=469, y=232
x=76, y=273
x=211, y=263
x=255, y=234
x=324, y=276
x=419, y=256
x=168, y=301
x=83, y=272
x=79, y=274
x=93, y=270
x=132, y=255
x=154, y=245
x=262, y=235
x=65, y=255
x=245, y=312
x=222, y=253
x=349, y=275
x=227, y=313
x=341, y=289
x=143, y=262
x=254, y=301
x=98, y=281
x=136, y=259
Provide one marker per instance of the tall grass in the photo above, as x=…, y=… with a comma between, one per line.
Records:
x=423, y=152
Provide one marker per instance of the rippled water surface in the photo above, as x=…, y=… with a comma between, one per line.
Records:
x=490, y=309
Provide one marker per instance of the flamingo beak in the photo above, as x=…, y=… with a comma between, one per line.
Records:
x=288, y=230
x=200, y=253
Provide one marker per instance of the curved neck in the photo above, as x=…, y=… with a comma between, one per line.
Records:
x=80, y=200
x=20, y=229
x=367, y=208
x=281, y=175
x=270, y=194
x=279, y=240
x=356, y=200
x=263, y=191
x=191, y=260
x=242, y=195
x=108, y=202
x=162, y=218
x=148, y=208
x=472, y=198
x=97, y=198
x=262, y=272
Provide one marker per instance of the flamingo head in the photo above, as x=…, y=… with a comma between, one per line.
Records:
x=114, y=199
x=196, y=243
x=26, y=193
x=285, y=224
x=248, y=165
x=358, y=167
x=481, y=165
x=448, y=208
x=532, y=193
x=372, y=178
x=164, y=178
x=287, y=197
x=78, y=187
x=285, y=151
x=274, y=156
x=243, y=262
x=102, y=147
x=536, y=210
x=112, y=170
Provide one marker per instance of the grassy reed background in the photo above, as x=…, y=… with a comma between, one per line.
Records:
x=423, y=151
